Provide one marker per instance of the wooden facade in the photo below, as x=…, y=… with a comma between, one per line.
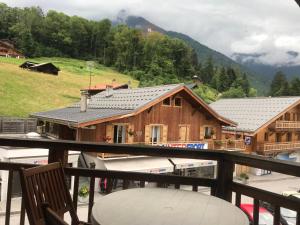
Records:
x=7, y=49
x=176, y=124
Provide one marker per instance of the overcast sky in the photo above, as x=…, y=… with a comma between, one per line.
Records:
x=270, y=28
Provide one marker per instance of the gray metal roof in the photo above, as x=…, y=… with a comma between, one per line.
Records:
x=252, y=113
x=121, y=102
x=129, y=98
x=73, y=115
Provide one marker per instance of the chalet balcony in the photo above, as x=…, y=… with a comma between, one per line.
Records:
x=223, y=186
x=229, y=145
x=279, y=147
x=287, y=125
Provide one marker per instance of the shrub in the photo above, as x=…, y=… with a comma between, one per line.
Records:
x=83, y=191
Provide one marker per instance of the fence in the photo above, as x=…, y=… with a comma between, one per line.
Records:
x=16, y=125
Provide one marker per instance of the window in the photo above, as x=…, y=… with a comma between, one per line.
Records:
x=155, y=134
x=298, y=136
x=278, y=137
x=167, y=102
x=208, y=132
x=119, y=134
x=287, y=116
x=289, y=136
x=177, y=102
x=266, y=136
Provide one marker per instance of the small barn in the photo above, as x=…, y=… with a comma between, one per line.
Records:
x=41, y=67
x=7, y=49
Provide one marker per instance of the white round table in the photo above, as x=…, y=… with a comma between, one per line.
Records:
x=158, y=206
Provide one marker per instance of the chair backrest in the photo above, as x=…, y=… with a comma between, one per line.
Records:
x=46, y=184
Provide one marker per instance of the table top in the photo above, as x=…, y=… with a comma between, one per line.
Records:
x=158, y=206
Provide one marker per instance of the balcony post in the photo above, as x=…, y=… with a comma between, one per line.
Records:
x=224, y=180
x=58, y=155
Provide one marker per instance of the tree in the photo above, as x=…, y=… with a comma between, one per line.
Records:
x=279, y=85
x=234, y=93
x=207, y=72
x=295, y=87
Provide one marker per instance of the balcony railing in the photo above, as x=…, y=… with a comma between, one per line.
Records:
x=282, y=124
x=223, y=186
x=279, y=147
x=230, y=145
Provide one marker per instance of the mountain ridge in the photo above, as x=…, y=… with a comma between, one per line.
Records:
x=203, y=51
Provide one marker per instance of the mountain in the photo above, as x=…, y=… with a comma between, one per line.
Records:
x=202, y=51
x=252, y=62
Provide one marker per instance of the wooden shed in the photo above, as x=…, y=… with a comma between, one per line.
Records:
x=41, y=67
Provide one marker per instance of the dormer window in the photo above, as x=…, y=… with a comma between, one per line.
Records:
x=177, y=102
x=167, y=102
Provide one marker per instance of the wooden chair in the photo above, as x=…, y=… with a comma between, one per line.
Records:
x=46, y=185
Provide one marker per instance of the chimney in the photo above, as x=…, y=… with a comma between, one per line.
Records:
x=83, y=101
x=109, y=90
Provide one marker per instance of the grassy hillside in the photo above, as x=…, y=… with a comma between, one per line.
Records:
x=23, y=92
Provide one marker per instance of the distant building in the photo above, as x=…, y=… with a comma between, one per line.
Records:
x=95, y=89
x=41, y=67
x=268, y=126
x=169, y=115
x=7, y=49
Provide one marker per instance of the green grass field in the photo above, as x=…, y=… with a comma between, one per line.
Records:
x=23, y=92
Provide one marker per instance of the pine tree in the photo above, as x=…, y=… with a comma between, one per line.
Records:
x=279, y=85
x=295, y=87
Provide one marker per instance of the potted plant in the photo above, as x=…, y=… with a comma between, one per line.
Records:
x=83, y=193
x=244, y=178
x=218, y=144
x=230, y=142
x=130, y=132
x=106, y=138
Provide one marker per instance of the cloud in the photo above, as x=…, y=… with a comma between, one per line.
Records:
x=228, y=26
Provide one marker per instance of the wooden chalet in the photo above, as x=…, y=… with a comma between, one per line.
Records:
x=268, y=126
x=48, y=68
x=7, y=49
x=95, y=89
x=170, y=114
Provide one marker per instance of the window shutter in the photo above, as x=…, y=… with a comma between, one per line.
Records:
x=110, y=133
x=214, y=136
x=130, y=139
x=147, y=134
x=202, y=131
x=165, y=133
x=187, y=133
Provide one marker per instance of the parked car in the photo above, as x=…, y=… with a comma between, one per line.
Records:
x=265, y=217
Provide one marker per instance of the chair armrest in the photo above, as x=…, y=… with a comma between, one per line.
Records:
x=51, y=218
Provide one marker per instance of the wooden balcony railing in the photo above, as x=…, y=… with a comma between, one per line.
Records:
x=232, y=145
x=223, y=186
x=279, y=147
x=282, y=124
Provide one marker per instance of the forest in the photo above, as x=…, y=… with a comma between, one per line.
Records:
x=152, y=58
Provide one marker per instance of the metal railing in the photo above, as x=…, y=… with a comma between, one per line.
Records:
x=223, y=186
